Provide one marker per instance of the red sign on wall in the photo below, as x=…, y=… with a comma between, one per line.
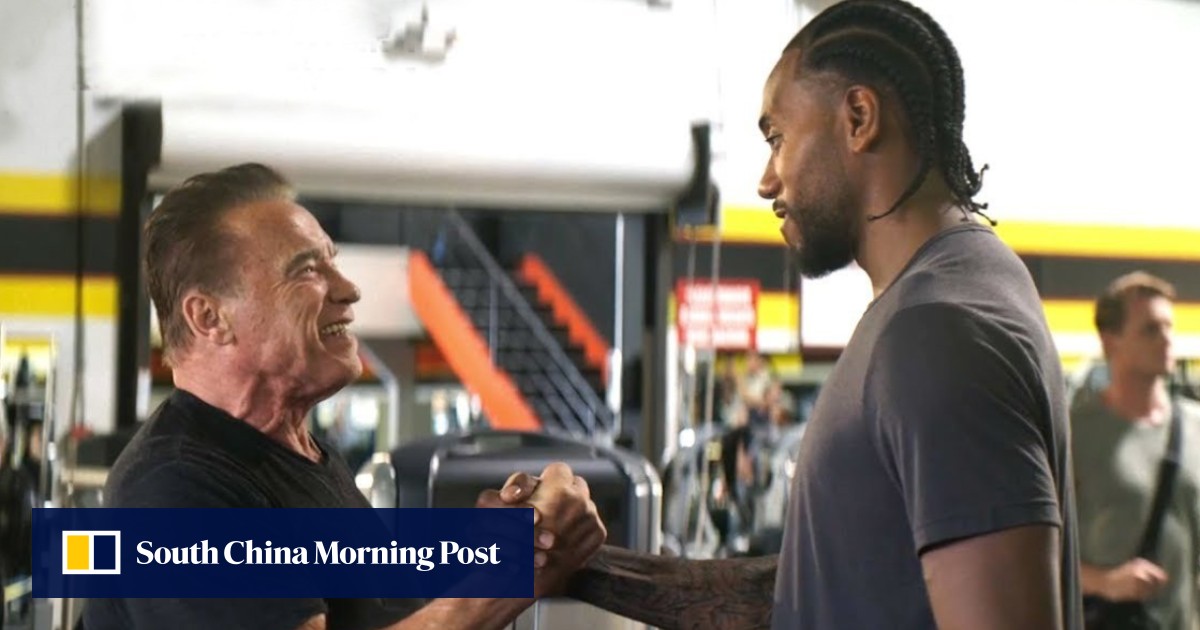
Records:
x=725, y=318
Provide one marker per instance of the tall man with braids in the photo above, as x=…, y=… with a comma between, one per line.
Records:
x=933, y=487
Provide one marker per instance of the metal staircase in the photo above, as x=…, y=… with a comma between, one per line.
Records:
x=566, y=397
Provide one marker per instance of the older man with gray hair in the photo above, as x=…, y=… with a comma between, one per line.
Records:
x=255, y=320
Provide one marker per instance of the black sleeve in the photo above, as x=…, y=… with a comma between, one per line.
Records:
x=958, y=425
x=176, y=484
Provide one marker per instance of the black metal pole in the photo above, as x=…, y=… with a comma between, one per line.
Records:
x=141, y=143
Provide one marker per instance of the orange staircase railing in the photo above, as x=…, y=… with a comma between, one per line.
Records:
x=566, y=312
x=464, y=349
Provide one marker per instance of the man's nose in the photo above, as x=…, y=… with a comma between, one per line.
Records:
x=342, y=290
x=768, y=186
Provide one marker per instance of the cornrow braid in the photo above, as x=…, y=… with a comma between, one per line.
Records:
x=893, y=44
x=964, y=169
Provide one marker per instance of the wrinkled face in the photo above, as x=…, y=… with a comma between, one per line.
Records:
x=1143, y=346
x=291, y=309
x=805, y=177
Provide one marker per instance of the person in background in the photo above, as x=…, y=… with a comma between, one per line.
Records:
x=753, y=385
x=731, y=409
x=1119, y=436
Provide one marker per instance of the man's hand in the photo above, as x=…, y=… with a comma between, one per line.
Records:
x=1136, y=580
x=519, y=487
x=563, y=507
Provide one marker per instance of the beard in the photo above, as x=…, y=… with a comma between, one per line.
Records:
x=828, y=236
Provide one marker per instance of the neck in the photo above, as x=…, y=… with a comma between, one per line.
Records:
x=1137, y=397
x=253, y=399
x=889, y=243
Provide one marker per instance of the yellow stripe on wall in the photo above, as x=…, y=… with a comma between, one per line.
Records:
x=778, y=310
x=1101, y=241
x=757, y=224
x=49, y=194
x=1075, y=316
x=787, y=365
x=1070, y=316
x=55, y=296
x=739, y=225
x=751, y=225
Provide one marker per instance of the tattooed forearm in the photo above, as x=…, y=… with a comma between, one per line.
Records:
x=671, y=593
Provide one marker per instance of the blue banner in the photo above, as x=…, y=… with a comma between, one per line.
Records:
x=330, y=553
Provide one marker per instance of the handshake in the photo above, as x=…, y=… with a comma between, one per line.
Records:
x=567, y=527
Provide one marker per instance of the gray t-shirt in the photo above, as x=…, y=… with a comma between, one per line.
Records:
x=944, y=418
x=1116, y=474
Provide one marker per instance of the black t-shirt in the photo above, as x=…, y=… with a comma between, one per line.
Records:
x=193, y=455
x=944, y=418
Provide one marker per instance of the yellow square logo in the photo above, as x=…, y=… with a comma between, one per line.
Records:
x=91, y=553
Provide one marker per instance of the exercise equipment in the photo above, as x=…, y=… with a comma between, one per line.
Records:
x=451, y=471
x=717, y=514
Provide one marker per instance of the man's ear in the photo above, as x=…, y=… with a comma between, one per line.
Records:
x=206, y=317
x=863, y=115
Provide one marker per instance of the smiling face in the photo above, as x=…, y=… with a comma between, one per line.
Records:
x=805, y=177
x=291, y=308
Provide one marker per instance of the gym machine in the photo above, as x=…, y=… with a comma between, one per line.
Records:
x=451, y=471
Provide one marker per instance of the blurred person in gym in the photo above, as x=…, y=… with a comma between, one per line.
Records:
x=256, y=320
x=1119, y=436
x=753, y=385
x=933, y=487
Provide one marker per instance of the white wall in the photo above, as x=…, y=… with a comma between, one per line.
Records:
x=1082, y=109
x=751, y=36
x=37, y=91
x=381, y=273
x=37, y=75
x=38, y=128
x=573, y=101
